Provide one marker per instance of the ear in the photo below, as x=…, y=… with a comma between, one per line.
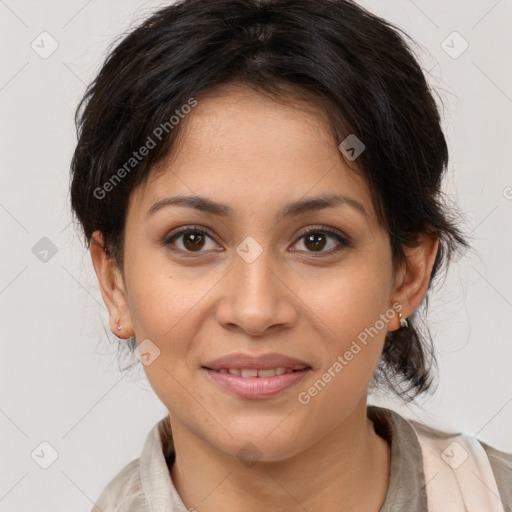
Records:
x=112, y=287
x=413, y=279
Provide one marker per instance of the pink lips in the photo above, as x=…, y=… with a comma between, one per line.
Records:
x=256, y=387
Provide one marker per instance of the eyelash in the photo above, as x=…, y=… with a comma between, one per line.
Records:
x=325, y=230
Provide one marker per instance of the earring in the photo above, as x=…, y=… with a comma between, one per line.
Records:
x=403, y=321
x=118, y=325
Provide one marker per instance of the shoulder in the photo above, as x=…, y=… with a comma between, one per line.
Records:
x=145, y=479
x=501, y=464
x=500, y=461
x=124, y=492
x=409, y=439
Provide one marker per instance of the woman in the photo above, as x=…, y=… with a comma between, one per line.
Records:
x=259, y=183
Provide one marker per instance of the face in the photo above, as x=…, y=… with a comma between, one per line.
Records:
x=258, y=277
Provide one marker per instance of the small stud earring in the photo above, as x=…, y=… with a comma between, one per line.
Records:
x=403, y=321
x=118, y=325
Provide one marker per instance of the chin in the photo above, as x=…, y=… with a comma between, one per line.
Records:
x=260, y=441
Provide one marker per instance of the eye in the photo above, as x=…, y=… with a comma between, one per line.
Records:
x=191, y=239
x=316, y=240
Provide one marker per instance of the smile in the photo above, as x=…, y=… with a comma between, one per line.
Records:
x=255, y=383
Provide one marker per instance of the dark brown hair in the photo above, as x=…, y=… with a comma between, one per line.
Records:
x=354, y=66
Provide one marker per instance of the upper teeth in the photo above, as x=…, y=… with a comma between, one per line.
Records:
x=253, y=372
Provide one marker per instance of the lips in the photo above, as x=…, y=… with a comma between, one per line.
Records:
x=256, y=377
x=252, y=362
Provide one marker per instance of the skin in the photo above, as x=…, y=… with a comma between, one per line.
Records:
x=256, y=155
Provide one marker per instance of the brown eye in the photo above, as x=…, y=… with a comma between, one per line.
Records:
x=322, y=241
x=315, y=241
x=191, y=240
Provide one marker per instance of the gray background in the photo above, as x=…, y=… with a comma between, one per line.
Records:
x=60, y=379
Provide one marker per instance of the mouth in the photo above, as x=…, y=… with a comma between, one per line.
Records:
x=256, y=377
x=254, y=383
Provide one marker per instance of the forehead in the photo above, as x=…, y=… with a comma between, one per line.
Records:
x=244, y=148
x=234, y=121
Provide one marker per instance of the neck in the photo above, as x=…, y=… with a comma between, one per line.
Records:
x=347, y=470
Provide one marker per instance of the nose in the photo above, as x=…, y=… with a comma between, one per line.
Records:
x=256, y=298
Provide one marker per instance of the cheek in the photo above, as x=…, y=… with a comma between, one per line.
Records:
x=164, y=308
x=169, y=306
x=353, y=335
x=162, y=295
x=352, y=312
x=351, y=299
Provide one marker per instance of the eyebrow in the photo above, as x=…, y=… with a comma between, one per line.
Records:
x=293, y=209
